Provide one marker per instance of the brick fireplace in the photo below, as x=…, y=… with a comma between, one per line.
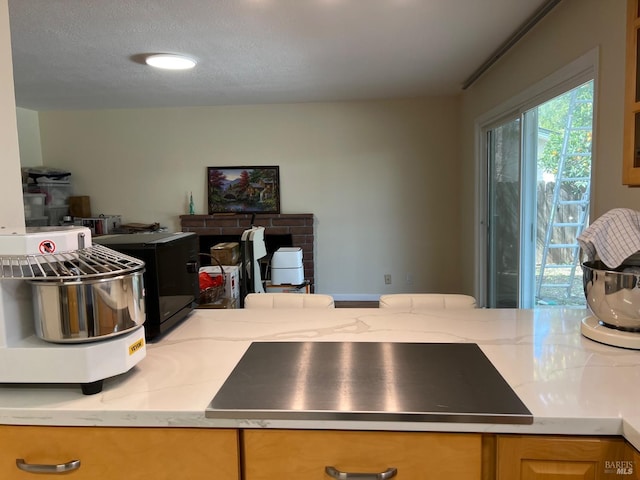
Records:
x=229, y=227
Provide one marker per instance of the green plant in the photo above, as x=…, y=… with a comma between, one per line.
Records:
x=553, y=118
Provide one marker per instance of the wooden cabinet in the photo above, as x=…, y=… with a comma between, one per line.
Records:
x=122, y=453
x=531, y=457
x=197, y=454
x=633, y=455
x=631, y=148
x=289, y=454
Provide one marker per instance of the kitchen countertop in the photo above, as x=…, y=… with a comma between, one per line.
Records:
x=570, y=384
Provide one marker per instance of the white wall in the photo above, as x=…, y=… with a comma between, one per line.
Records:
x=29, y=139
x=11, y=208
x=382, y=178
x=572, y=29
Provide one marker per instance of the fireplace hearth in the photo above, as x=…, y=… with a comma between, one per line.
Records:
x=280, y=230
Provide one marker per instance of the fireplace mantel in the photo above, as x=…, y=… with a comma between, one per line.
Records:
x=298, y=225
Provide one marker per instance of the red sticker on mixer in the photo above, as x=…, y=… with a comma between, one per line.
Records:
x=47, y=246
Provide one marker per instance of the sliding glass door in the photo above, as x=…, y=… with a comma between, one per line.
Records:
x=504, y=153
x=537, y=192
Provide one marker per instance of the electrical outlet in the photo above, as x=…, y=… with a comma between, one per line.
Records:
x=409, y=278
x=387, y=279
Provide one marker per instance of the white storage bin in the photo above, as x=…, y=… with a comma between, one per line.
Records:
x=37, y=222
x=33, y=205
x=56, y=214
x=102, y=225
x=57, y=193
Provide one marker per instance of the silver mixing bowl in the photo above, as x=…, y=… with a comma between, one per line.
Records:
x=613, y=296
x=90, y=309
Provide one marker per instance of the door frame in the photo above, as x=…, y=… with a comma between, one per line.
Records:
x=581, y=70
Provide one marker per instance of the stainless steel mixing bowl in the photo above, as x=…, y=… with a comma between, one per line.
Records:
x=68, y=311
x=613, y=295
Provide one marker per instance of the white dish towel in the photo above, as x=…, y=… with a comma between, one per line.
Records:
x=613, y=237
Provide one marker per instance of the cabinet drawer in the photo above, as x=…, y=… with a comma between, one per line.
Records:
x=271, y=454
x=119, y=453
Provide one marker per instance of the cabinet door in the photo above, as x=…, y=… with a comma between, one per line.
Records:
x=560, y=458
x=122, y=453
x=631, y=147
x=634, y=456
x=294, y=454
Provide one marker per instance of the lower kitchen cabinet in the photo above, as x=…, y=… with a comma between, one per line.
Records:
x=197, y=454
x=531, y=457
x=296, y=454
x=634, y=456
x=122, y=453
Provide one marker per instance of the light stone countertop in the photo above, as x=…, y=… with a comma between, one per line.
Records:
x=571, y=384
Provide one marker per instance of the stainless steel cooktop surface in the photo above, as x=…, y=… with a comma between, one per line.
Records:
x=370, y=381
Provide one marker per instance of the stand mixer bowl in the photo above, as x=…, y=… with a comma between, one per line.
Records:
x=89, y=309
x=613, y=295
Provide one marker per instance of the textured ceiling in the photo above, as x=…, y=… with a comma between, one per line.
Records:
x=79, y=54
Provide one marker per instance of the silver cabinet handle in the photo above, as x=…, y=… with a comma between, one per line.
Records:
x=334, y=473
x=35, y=468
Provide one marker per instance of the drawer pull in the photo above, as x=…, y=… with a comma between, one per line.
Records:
x=334, y=473
x=35, y=468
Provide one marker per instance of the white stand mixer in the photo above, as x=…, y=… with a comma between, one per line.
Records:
x=66, y=254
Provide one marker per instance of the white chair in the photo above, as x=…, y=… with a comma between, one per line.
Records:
x=409, y=301
x=288, y=300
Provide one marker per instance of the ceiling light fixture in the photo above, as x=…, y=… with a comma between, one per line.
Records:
x=170, y=61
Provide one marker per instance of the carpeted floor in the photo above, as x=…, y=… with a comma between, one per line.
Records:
x=356, y=304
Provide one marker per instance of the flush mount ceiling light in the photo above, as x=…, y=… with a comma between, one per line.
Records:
x=170, y=61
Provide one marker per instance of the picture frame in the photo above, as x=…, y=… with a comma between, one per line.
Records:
x=244, y=189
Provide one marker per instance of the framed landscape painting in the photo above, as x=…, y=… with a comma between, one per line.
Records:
x=243, y=189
